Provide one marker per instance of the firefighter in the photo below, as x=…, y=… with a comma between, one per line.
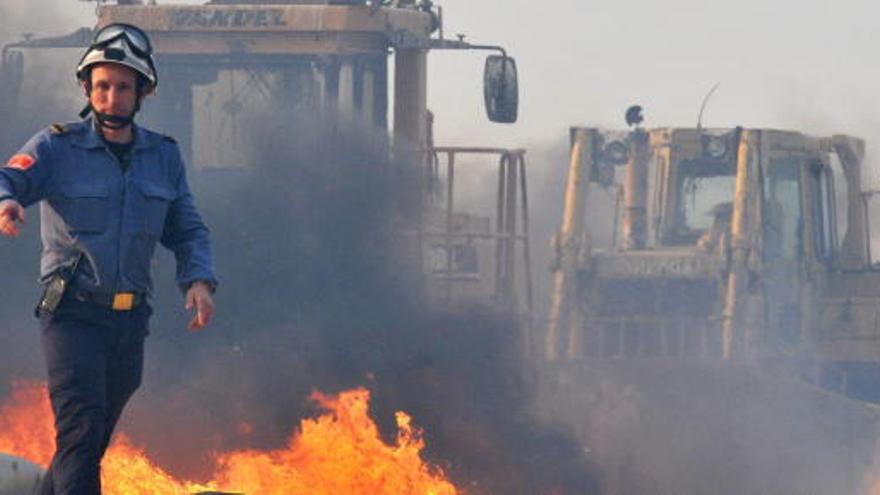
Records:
x=109, y=190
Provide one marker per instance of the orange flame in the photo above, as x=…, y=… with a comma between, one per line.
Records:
x=26, y=428
x=338, y=452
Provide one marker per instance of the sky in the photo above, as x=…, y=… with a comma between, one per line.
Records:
x=799, y=64
x=805, y=65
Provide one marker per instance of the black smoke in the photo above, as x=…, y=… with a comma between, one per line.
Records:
x=314, y=296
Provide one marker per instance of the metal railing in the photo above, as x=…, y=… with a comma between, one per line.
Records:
x=511, y=221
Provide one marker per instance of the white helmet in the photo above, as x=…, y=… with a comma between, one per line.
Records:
x=121, y=44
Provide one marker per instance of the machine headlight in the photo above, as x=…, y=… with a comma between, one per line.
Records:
x=716, y=147
x=616, y=152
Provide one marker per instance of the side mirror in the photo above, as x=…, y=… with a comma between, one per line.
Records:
x=500, y=89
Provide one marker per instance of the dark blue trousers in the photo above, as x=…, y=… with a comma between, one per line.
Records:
x=94, y=357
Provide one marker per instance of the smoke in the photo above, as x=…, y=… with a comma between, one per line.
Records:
x=51, y=97
x=52, y=93
x=313, y=297
x=672, y=427
x=40, y=18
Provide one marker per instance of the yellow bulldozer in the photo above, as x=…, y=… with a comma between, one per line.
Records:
x=743, y=245
x=232, y=66
x=714, y=309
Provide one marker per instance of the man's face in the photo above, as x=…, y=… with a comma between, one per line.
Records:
x=114, y=89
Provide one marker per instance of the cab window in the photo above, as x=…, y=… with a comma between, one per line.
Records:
x=823, y=226
x=782, y=220
x=705, y=188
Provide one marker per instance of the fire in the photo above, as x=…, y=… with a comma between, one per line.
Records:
x=338, y=452
x=126, y=470
x=26, y=428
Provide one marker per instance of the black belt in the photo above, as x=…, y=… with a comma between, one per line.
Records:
x=120, y=301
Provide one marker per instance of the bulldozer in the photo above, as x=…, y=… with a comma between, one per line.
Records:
x=230, y=65
x=748, y=245
x=713, y=305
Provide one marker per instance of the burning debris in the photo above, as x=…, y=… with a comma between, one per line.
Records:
x=340, y=451
x=26, y=423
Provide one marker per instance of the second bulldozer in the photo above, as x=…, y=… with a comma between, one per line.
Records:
x=747, y=245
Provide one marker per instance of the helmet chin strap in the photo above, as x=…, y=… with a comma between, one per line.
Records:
x=114, y=122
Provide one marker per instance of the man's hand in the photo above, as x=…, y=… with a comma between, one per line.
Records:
x=11, y=214
x=199, y=297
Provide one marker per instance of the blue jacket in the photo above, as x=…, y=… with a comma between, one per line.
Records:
x=114, y=219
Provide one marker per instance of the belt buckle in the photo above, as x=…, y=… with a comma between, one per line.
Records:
x=123, y=301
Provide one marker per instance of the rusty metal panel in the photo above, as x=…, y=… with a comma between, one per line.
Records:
x=259, y=43
x=269, y=18
x=270, y=29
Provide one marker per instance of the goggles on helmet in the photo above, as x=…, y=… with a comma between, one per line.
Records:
x=136, y=38
x=124, y=44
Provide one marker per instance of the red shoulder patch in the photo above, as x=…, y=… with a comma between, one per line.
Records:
x=21, y=162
